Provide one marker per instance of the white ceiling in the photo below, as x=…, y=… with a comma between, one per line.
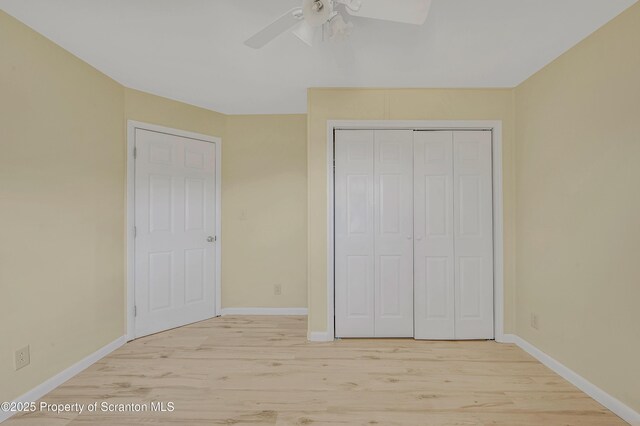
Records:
x=192, y=50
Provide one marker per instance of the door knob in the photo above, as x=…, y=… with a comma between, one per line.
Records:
x=211, y=239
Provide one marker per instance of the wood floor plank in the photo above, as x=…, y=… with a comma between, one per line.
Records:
x=262, y=371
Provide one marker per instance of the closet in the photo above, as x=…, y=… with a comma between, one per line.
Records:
x=413, y=234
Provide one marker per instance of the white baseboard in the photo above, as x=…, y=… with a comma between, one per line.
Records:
x=615, y=405
x=502, y=338
x=57, y=380
x=264, y=311
x=319, y=336
x=508, y=338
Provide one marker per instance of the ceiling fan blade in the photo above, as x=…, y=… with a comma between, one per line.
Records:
x=405, y=11
x=279, y=26
x=305, y=32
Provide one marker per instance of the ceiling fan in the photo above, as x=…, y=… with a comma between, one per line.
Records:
x=328, y=16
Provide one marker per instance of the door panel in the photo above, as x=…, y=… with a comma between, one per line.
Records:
x=358, y=287
x=469, y=196
x=161, y=275
x=391, y=275
x=194, y=208
x=473, y=224
x=354, y=236
x=393, y=233
x=470, y=285
x=174, y=215
x=194, y=277
x=437, y=286
x=159, y=204
x=433, y=229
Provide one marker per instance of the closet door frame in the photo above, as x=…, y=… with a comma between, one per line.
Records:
x=495, y=126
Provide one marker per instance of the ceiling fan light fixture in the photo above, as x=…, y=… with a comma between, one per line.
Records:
x=352, y=5
x=340, y=30
x=305, y=32
x=327, y=15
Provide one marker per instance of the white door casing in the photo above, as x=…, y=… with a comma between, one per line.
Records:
x=393, y=219
x=473, y=232
x=433, y=249
x=354, y=233
x=175, y=214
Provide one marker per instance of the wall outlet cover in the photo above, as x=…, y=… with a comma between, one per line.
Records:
x=534, y=321
x=23, y=357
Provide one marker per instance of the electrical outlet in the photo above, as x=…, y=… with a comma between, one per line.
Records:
x=22, y=357
x=534, y=321
x=277, y=289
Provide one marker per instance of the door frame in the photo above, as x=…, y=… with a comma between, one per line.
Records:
x=130, y=219
x=495, y=126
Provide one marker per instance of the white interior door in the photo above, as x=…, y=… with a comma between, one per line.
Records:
x=473, y=228
x=175, y=231
x=354, y=233
x=433, y=221
x=393, y=206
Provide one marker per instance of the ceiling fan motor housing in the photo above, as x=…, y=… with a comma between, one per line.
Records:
x=317, y=12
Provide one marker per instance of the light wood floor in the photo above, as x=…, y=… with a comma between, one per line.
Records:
x=262, y=371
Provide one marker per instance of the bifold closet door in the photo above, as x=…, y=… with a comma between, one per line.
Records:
x=434, y=259
x=393, y=220
x=413, y=234
x=354, y=235
x=454, y=235
x=473, y=231
x=373, y=233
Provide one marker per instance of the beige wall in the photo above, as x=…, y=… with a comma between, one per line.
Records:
x=62, y=171
x=264, y=211
x=578, y=208
x=398, y=104
x=140, y=106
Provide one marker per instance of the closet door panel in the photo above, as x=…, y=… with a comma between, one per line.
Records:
x=473, y=224
x=393, y=220
x=433, y=228
x=354, y=233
